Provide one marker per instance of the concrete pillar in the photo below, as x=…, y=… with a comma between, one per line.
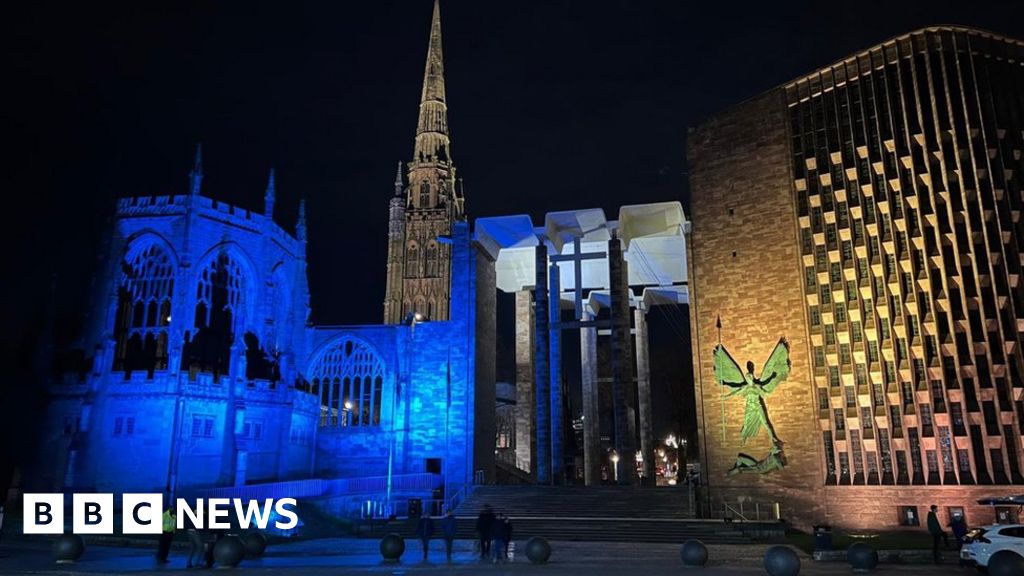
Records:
x=540, y=362
x=622, y=365
x=643, y=385
x=591, y=405
x=526, y=430
x=555, y=371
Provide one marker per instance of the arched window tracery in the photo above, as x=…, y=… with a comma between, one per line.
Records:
x=143, y=309
x=425, y=194
x=432, y=259
x=349, y=376
x=412, y=260
x=220, y=303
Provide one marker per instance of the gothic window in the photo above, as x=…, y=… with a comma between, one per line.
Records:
x=353, y=378
x=412, y=260
x=425, y=195
x=143, y=309
x=432, y=260
x=220, y=300
x=431, y=309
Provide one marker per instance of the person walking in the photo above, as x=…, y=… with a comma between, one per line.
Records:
x=424, y=531
x=935, y=529
x=196, y=549
x=448, y=529
x=163, y=548
x=498, y=538
x=483, y=530
x=507, y=524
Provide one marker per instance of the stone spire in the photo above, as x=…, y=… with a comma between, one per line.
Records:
x=195, y=177
x=269, y=197
x=432, y=130
x=300, y=226
x=399, y=184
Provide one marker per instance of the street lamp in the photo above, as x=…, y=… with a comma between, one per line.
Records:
x=346, y=413
x=615, y=465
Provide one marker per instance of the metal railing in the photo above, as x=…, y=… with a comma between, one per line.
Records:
x=741, y=510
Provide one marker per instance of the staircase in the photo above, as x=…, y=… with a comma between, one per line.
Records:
x=592, y=514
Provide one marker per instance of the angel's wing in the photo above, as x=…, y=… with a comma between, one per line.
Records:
x=727, y=371
x=776, y=369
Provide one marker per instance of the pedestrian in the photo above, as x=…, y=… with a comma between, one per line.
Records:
x=424, y=531
x=483, y=530
x=507, y=522
x=163, y=548
x=935, y=529
x=498, y=538
x=448, y=529
x=959, y=528
x=195, y=543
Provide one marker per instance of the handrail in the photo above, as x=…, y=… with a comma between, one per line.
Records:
x=734, y=511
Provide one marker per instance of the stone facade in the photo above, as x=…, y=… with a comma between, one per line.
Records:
x=422, y=212
x=846, y=211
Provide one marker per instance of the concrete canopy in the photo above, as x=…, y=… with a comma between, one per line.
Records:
x=653, y=237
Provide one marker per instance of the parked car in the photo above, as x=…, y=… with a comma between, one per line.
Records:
x=982, y=544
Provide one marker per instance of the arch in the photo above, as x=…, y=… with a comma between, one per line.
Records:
x=424, y=194
x=143, y=304
x=357, y=373
x=432, y=259
x=412, y=260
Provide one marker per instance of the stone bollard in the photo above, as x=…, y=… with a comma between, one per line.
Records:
x=392, y=547
x=693, y=553
x=68, y=548
x=538, y=550
x=862, y=557
x=255, y=544
x=228, y=551
x=781, y=561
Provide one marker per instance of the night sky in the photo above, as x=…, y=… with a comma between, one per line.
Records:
x=552, y=105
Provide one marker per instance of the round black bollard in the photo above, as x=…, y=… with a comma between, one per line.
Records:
x=68, y=548
x=781, y=561
x=392, y=547
x=228, y=551
x=1005, y=563
x=538, y=550
x=862, y=557
x=693, y=553
x=255, y=544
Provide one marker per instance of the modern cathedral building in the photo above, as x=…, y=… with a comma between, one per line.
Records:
x=203, y=372
x=870, y=213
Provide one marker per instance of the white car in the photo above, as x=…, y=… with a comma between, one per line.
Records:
x=981, y=544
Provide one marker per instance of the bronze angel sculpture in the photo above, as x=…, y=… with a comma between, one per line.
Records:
x=754, y=390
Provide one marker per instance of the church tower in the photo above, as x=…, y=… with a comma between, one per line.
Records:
x=425, y=206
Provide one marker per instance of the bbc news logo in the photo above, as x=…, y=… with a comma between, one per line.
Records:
x=143, y=513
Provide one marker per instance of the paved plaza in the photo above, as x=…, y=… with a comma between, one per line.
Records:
x=360, y=556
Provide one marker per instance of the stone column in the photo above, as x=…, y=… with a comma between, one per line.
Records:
x=526, y=431
x=622, y=365
x=540, y=363
x=555, y=371
x=643, y=385
x=591, y=405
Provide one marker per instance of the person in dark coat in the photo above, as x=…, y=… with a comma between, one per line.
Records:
x=935, y=529
x=498, y=538
x=425, y=531
x=448, y=529
x=507, y=523
x=959, y=528
x=483, y=530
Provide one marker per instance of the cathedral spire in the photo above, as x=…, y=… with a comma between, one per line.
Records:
x=399, y=183
x=432, y=130
x=269, y=197
x=195, y=177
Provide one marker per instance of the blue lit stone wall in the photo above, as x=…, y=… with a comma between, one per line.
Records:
x=175, y=430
